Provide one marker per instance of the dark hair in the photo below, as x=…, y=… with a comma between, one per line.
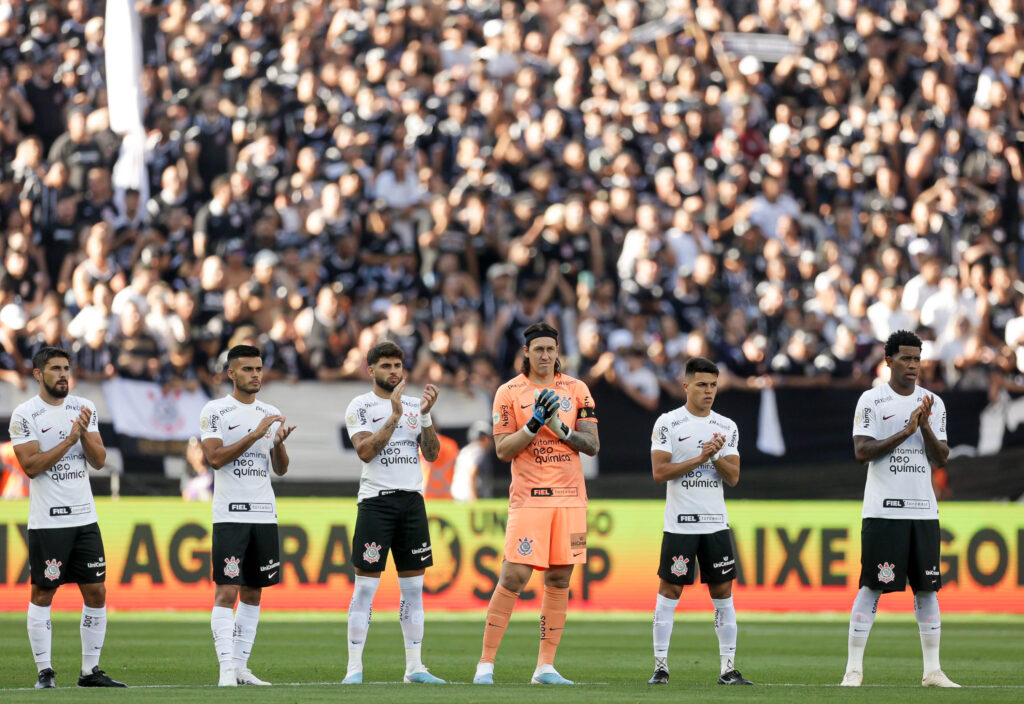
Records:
x=387, y=349
x=901, y=338
x=530, y=334
x=700, y=365
x=43, y=356
x=239, y=351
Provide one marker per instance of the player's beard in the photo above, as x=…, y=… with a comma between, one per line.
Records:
x=57, y=391
x=251, y=388
x=386, y=385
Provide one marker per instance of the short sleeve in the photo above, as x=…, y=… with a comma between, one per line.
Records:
x=356, y=419
x=21, y=430
x=732, y=443
x=94, y=419
x=938, y=418
x=504, y=417
x=585, y=408
x=659, y=438
x=865, y=421
x=209, y=423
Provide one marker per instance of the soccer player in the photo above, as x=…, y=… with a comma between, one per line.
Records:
x=242, y=444
x=56, y=438
x=694, y=450
x=542, y=419
x=900, y=432
x=388, y=430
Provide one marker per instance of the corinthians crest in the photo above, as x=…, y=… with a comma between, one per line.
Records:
x=52, y=570
x=231, y=567
x=679, y=566
x=885, y=573
x=372, y=552
x=525, y=547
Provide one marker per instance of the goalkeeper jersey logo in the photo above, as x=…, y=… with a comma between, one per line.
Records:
x=885, y=573
x=231, y=567
x=525, y=547
x=679, y=565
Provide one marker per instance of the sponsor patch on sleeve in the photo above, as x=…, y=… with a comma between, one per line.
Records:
x=586, y=412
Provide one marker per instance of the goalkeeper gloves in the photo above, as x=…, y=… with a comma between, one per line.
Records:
x=560, y=429
x=544, y=406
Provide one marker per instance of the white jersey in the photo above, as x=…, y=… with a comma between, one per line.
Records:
x=241, y=489
x=61, y=496
x=694, y=502
x=397, y=466
x=899, y=485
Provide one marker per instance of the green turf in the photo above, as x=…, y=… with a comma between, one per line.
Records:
x=791, y=659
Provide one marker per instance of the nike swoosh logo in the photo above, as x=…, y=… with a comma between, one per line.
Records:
x=46, y=430
x=232, y=427
x=271, y=575
x=40, y=653
x=887, y=417
x=577, y=554
x=527, y=405
x=100, y=574
x=424, y=558
x=376, y=420
x=727, y=571
x=686, y=438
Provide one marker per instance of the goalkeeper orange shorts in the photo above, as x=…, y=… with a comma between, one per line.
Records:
x=541, y=537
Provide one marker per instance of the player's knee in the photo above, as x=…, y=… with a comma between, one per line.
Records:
x=669, y=590
x=721, y=590
x=42, y=597
x=225, y=596
x=250, y=595
x=94, y=595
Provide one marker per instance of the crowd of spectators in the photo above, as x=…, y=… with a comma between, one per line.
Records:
x=775, y=184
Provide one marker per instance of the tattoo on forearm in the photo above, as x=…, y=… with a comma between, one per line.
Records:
x=585, y=440
x=429, y=443
x=383, y=436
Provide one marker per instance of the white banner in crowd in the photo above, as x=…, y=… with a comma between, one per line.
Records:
x=142, y=409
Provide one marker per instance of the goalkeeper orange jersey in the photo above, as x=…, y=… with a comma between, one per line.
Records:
x=547, y=472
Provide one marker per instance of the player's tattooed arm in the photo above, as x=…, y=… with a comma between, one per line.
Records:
x=585, y=438
x=429, y=443
x=369, y=445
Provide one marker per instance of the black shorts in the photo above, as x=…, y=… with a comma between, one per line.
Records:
x=895, y=551
x=246, y=554
x=681, y=552
x=59, y=555
x=395, y=522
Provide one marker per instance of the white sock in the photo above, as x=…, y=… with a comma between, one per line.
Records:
x=545, y=669
x=664, y=618
x=929, y=622
x=861, y=618
x=485, y=668
x=360, y=610
x=410, y=615
x=94, y=631
x=222, y=623
x=247, y=619
x=39, y=635
x=725, y=629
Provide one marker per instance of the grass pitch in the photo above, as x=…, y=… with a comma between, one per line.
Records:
x=169, y=658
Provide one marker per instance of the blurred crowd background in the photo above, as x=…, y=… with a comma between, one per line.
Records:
x=774, y=184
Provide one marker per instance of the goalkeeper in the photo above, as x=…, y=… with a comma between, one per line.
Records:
x=543, y=420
